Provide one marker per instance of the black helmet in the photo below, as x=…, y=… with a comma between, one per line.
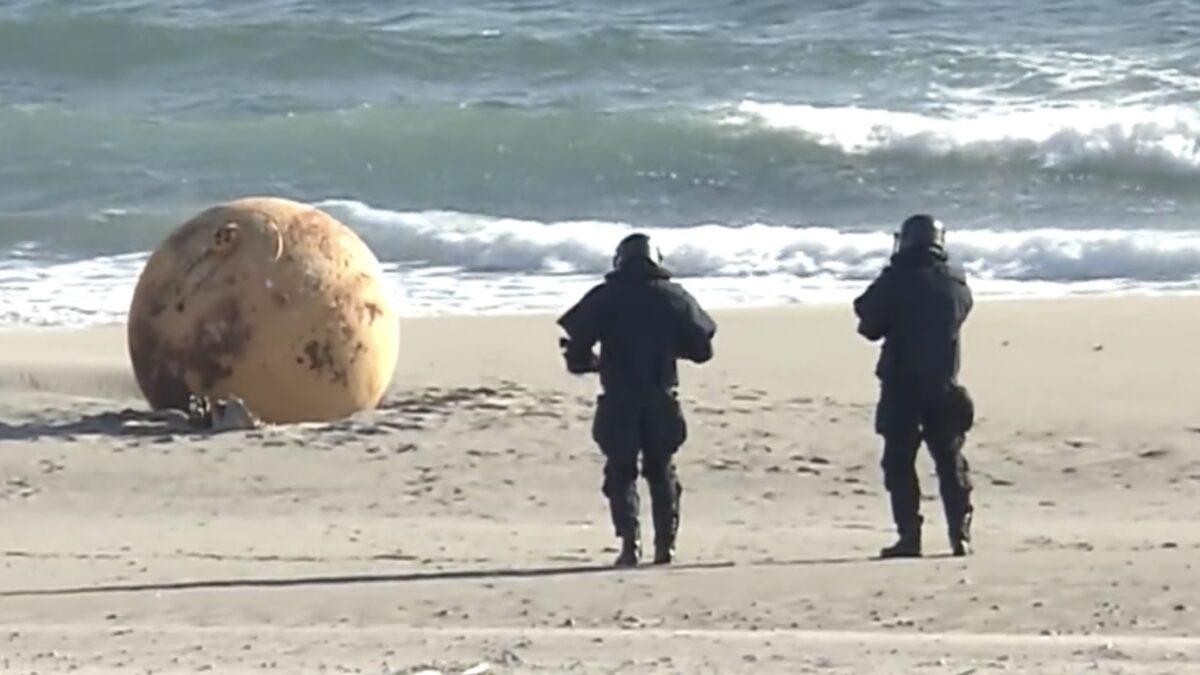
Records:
x=636, y=247
x=921, y=231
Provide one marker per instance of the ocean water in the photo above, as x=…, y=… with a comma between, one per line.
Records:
x=492, y=152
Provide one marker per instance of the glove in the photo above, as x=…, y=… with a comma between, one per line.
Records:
x=577, y=363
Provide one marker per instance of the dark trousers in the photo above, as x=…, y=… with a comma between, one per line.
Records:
x=626, y=426
x=909, y=412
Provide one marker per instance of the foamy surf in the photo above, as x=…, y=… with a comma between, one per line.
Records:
x=1164, y=137
x=480, y=243
x=458, y=263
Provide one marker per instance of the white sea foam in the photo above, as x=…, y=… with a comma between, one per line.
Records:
x=1168, y=137
x=486, y=244
x=454, y=263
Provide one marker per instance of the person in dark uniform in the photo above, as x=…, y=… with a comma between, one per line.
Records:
x=643, y=322
x=917, y=306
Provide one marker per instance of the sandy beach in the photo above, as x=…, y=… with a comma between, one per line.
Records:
x=461, y=525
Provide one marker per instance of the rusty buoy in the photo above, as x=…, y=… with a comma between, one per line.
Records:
x=268, y=299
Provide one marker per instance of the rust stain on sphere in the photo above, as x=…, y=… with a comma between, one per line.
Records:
x=268, y=299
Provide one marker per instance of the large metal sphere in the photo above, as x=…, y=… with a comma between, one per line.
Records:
x=270, y=300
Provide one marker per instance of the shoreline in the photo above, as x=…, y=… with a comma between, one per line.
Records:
x=980, y=298
x=1045, y=348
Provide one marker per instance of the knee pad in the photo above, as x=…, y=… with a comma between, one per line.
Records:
x=618, y=477
x=658, y=471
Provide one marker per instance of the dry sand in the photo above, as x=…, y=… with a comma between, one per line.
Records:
x=462, y=523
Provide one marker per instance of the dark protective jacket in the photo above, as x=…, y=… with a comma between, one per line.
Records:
x=643, y=322
x=917, y=306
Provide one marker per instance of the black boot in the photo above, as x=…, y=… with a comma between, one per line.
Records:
x=664, y=552
x=908, y=545
x=623, y=504
x=906, y=514
x=665, y=509
x=960, y=534
x=631, y=552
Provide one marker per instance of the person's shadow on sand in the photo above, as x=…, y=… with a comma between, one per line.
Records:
x=128, y=422
x=417, y=577
x=354, y=579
